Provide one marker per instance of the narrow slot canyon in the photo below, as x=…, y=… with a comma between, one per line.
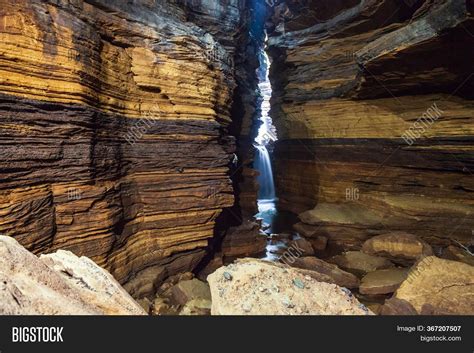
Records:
x=237, y=157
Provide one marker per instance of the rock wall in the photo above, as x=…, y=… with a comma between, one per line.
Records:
x=114, y=129
x=374, y=111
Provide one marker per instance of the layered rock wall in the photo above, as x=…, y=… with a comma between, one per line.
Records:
x=373, y=107
x=113, y=129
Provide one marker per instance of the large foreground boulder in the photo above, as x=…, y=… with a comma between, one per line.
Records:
x=437, y=286
x=58, y=284
x=256, y=287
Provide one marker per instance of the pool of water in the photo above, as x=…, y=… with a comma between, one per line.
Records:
x=278, y=225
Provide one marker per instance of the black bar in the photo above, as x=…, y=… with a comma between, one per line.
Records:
x=325, y=334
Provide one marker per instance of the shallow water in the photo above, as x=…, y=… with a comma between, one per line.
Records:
x=276, y=223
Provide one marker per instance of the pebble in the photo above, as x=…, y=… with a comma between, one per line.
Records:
x=228, y=276
x=298, y=283
x=308, y=278
x=286, y=302
x=347, y=291
x=363, y=307
x=246, y=307
x=261, y=289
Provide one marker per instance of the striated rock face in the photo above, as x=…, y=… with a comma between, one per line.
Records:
x=255, y=287
x=114, y=138
x=58, y=284
x=373, y=106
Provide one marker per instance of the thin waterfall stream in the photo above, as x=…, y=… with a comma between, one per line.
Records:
x=265, y=179
x=277, y=225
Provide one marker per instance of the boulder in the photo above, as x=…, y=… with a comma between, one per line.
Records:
x=318, y=243
x=197, y=307
x=342, y=214
x=161, y=306
x=58, y=284
x=383, y=281
x=145, y=303
x=244, y=240
x=185, y=291
x=170, y=282
x=303, y=245
x=345, y=226
x=400, y=247
x=439, y=286
x=211, y=266
x=360, y=263
x=305, y=230
x=256, y=287
x=326, y=272
x=458, y=254
x=395, y=306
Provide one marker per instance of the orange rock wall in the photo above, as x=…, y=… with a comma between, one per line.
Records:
x=113, y=129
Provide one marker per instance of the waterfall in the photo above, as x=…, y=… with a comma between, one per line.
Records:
x=266, y=132
x=265, y=179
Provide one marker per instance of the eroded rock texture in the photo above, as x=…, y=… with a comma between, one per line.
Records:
x=114, y=135
x=373, y=107
x=58, y=284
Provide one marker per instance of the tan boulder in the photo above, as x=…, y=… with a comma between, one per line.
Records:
x=58, y=284
x=439, y=286
x=161, y=306
x=185, y=291
x=360, y=263
x=400, y=247
x=383, y=281
x=326, y=272
x=256, y=287
x=197, y=307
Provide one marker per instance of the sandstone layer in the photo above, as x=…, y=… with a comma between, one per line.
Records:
x=374, y=112
x=114, y=129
